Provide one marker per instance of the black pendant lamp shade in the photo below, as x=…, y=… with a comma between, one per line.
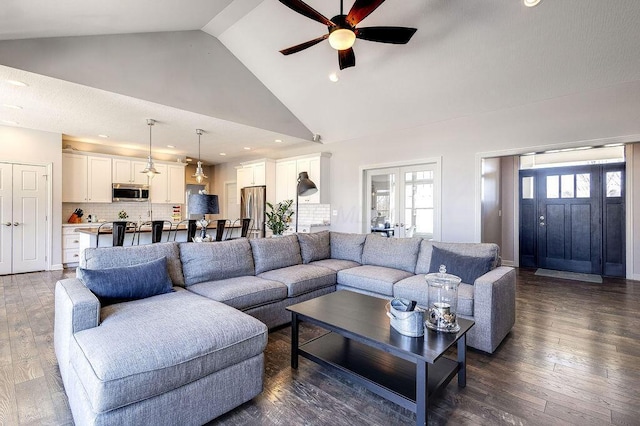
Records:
x=306, y=185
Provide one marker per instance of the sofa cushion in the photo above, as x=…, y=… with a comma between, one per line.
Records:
x=412, y=288
x=415, y=288
x=274, y=253
x=397, y=253
x=216, y=261
x=466, y=249
x=335, y=264
x=315, y=246
x=112, y=257
x=242, y=292
x=114, y=285
x=468, y=268
x=377, y=279
x=301, y=279
x=148, y=347
x=347, y=246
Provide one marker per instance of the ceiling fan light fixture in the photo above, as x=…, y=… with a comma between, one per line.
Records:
x=342, y=39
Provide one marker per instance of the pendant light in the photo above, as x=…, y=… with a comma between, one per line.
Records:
x=150, y=170
x=199, y=175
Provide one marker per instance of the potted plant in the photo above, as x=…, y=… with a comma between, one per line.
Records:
x=279, y=216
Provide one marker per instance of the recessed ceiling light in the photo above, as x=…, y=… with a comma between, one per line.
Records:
x=14, y=123
x=12, y=106
x=278, y=141
x=247, y=148
x=17, y=83
x=103, y=136
x=188, y=160
x=223, y=153
x=531, y=3
x=171, y=146
x=334, y=77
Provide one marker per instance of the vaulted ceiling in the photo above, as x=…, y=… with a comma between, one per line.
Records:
x=102, y=67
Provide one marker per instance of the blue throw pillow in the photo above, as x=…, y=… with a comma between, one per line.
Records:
x=114, y=285
x=468, y=268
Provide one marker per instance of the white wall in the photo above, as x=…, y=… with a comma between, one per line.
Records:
x=42, y=148
x=508, y=188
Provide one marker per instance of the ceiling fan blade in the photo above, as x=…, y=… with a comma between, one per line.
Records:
x=346, y=58
x=394, y=35
x=306, y=10
x=302, y=46
x=361, y=9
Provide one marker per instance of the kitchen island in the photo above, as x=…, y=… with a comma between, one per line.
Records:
x=88, y=237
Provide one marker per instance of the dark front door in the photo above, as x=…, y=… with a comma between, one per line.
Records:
x=572, y=219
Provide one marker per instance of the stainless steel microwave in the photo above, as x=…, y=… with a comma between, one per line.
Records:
x=130, y=192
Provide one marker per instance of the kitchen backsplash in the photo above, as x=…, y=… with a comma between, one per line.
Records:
x=314, y=214
x=109, y=211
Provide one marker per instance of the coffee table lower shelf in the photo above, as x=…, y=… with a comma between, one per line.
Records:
x=387, y=375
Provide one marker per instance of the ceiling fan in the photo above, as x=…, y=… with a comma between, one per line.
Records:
x=343, y=32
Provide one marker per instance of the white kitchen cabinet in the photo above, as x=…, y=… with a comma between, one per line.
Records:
x=256, y=173
x=86, y=178
x=286, y=180
x=168, y=187
x=287, y=170
x=129, y=171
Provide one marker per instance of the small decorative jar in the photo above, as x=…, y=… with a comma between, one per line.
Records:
x=443, y=301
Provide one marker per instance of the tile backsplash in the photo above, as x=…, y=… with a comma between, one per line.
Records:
x=109, y=211
x=314, y=214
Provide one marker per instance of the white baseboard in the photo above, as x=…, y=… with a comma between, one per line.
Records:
x=56, y=267
x=635, y=277
x=508, y=263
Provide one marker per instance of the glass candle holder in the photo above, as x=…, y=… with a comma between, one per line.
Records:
x=443, y=301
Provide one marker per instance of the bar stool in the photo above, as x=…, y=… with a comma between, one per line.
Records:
x=157, y=228
x=230, y=229
x=191, y=229
x=246, y=223
x=119, y=230
x=220, y=224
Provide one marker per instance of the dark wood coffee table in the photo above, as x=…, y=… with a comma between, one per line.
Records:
x=362, y=345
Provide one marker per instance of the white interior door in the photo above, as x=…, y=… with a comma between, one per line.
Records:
x=6, y=216
x=406, y=196
x=29, y=218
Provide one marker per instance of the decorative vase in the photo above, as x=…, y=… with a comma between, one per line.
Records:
x=443, y=301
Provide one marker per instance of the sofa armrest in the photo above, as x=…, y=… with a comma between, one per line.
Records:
x=76, y=309
x=494, y=307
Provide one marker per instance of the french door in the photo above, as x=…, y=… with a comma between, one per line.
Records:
x=23, y=218
x=404, y=196
x=572, y=219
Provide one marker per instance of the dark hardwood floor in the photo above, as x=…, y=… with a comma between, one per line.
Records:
x=572, y=358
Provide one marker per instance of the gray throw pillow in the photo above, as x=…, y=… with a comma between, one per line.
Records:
x=347, y=246
x=275, y=253
x=468, y=268
x=315, y=246
x=114, y=285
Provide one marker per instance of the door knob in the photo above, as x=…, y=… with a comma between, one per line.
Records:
x=541, y=217
x=7, y=224
x=16, y=223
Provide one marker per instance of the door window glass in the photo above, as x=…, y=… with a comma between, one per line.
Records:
x=527, y=188
x=583, y=185
x=614, y=184
x=566, y=185
x=553, y=186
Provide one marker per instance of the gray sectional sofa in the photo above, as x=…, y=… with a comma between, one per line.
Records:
x=189, y=355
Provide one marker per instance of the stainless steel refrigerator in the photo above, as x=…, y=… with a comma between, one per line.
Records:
x=253, y=201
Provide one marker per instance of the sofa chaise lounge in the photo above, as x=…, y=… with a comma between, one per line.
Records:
x=194, y=352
